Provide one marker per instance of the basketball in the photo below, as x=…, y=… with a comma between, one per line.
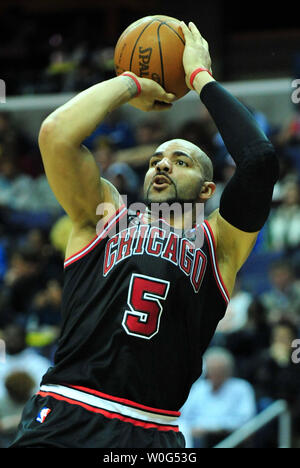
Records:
x=152, y=47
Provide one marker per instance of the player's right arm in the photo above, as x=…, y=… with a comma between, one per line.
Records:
x=70, y=167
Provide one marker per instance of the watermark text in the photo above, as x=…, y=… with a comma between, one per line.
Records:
x=2, y=351
x=296, y=353
x=296, y=93
x=188, y=216
x=2, y=92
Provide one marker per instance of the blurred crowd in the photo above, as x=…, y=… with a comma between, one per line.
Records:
x=54, y=51
x=249, y=364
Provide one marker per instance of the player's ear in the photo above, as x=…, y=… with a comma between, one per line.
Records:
x=207, y=191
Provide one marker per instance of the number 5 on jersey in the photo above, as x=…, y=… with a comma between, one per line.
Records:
x=144, y=300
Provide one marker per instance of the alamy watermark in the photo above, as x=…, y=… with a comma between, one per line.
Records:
x=2, y=92
x=296, y=93
x=189, y=215
x=296, y=353
x=2, y=352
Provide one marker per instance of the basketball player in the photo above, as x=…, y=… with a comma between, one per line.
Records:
x=140, y=307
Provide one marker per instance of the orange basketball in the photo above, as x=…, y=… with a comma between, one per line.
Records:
x=152, y=47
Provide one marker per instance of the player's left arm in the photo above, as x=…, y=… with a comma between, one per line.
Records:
x=246, y=200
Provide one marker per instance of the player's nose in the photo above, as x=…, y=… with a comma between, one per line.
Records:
x=164, y=165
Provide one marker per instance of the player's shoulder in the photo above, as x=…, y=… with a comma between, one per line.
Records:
x=108, y=210
x=212, y=220
x=110, y=195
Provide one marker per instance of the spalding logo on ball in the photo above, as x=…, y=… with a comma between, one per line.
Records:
x=152, y=47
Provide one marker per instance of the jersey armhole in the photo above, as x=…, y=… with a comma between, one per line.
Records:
x=208, y=232
x=119, y=214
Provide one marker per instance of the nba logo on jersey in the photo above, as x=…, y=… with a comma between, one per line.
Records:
x=43, y=414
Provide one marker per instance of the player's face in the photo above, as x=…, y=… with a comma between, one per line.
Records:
x=174, y=174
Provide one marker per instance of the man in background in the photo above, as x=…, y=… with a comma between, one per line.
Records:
x=218, y=404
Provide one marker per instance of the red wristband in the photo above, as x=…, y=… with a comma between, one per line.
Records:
x=139, y=89
x=195, y=72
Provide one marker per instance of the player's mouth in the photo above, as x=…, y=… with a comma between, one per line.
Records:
x=161, y=182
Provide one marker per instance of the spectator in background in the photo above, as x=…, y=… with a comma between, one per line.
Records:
x=23, y=280
x=3, y=262
x=38, y=240
x=43, y=198
x=19, y=191
x=148, y=135
x=283, y=299
x=45, y=309
x=116, y=129
x=290, y=133
x=236, y=316
x=104, y=154
x=288, y=173
x=76, y=76
x=19, y=386
x=20, y=358
x=124, y=178
x=218, y=404
x=288, y=138
x=150, y=132
x=15, y=141
x=7, y=131
x=274, y=375
x=120, y=174
x=249, y=341
x=15, y=187
x=201, y=132
x=283, y=225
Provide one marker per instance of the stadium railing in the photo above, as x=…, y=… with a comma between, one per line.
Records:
x=279, y=410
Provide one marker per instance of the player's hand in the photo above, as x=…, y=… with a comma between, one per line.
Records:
x=196, y=52
x=152, y=97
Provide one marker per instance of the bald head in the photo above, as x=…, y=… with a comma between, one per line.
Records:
x=187, y=170
x=219, y=365
x=221, y=357
x=194, y=151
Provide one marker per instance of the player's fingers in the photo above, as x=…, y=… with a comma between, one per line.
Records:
x=196, y=33
x=165, y=97
x=169, y=97
x=156, y=91
x=186, y=32
x=194, y=30
x=161, y=106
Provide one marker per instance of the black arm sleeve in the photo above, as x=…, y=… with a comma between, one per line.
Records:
x=246, y=200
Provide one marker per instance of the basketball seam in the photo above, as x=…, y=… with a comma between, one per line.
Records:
x=161, y=57
x=131, y=58
x=175, y=32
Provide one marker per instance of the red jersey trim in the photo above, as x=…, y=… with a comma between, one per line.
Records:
x=213, y=254
x=175, y=414
x=108, y=414
x=120, y=213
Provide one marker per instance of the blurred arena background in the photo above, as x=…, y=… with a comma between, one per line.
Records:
x=49, y=51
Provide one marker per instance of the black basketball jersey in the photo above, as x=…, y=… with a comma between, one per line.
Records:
x=140, y=307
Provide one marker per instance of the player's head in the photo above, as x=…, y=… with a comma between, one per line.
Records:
x=179, y=171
